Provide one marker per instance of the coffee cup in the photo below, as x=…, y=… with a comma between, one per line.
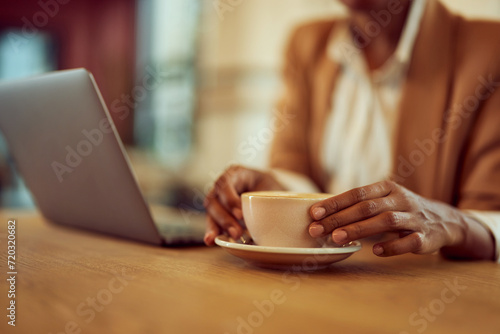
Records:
x=281, y=218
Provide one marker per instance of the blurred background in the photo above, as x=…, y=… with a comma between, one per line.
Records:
x=215, y=65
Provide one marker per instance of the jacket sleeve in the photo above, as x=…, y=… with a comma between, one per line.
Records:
x=479, y=190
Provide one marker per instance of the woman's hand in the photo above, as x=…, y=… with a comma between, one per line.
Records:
x=223, y=203
x=424, y=225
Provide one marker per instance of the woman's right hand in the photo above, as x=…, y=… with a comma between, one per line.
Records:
x=223, y=203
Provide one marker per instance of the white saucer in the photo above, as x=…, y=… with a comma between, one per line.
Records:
x=288, y=257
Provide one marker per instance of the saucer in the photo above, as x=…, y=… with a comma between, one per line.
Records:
x=289, y=258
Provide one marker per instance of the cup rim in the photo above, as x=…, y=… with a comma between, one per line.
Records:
x=288, y=195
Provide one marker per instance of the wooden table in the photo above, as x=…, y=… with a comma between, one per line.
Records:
x=71, y=281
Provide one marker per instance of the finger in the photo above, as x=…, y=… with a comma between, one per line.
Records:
x=349, y=198
x=412, y=243
x=356, y=213
x=230, y=199
x=386, y=222
x=224, y=219
x=212, y=230
x=230, y=185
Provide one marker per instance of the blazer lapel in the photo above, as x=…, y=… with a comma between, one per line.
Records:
x=423, y=102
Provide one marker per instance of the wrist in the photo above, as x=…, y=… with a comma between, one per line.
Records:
x=470, y=240
x=293, y=181
x=269, y=182
x=458, y=227
x=276, y=184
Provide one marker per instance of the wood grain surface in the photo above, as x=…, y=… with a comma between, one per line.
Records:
x=72, y=281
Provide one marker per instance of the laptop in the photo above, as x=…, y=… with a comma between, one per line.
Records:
x=66, y=147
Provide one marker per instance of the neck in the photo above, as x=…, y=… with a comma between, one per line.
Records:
x=379, y=36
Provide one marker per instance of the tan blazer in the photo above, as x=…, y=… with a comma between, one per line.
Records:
x=448, y=138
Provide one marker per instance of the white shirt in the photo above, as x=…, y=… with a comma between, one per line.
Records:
x=359, y=135
x=358, y=143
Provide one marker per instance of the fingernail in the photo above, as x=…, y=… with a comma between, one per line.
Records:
x=318, y=212
x=233, y=232
x=339, y=236
x=237, y=213
x=208, y=238
x=316, y=230
x=378, y=250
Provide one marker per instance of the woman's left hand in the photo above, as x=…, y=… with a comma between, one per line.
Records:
x=424, y=225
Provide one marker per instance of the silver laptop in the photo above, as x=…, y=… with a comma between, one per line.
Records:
x=66, y=147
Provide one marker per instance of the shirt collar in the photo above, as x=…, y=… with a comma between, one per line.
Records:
x=343, y=50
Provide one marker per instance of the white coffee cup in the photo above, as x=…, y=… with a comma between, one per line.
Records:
x=281, y=218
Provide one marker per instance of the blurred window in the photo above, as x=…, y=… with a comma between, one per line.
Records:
x=20, y=57
x=167, y=39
